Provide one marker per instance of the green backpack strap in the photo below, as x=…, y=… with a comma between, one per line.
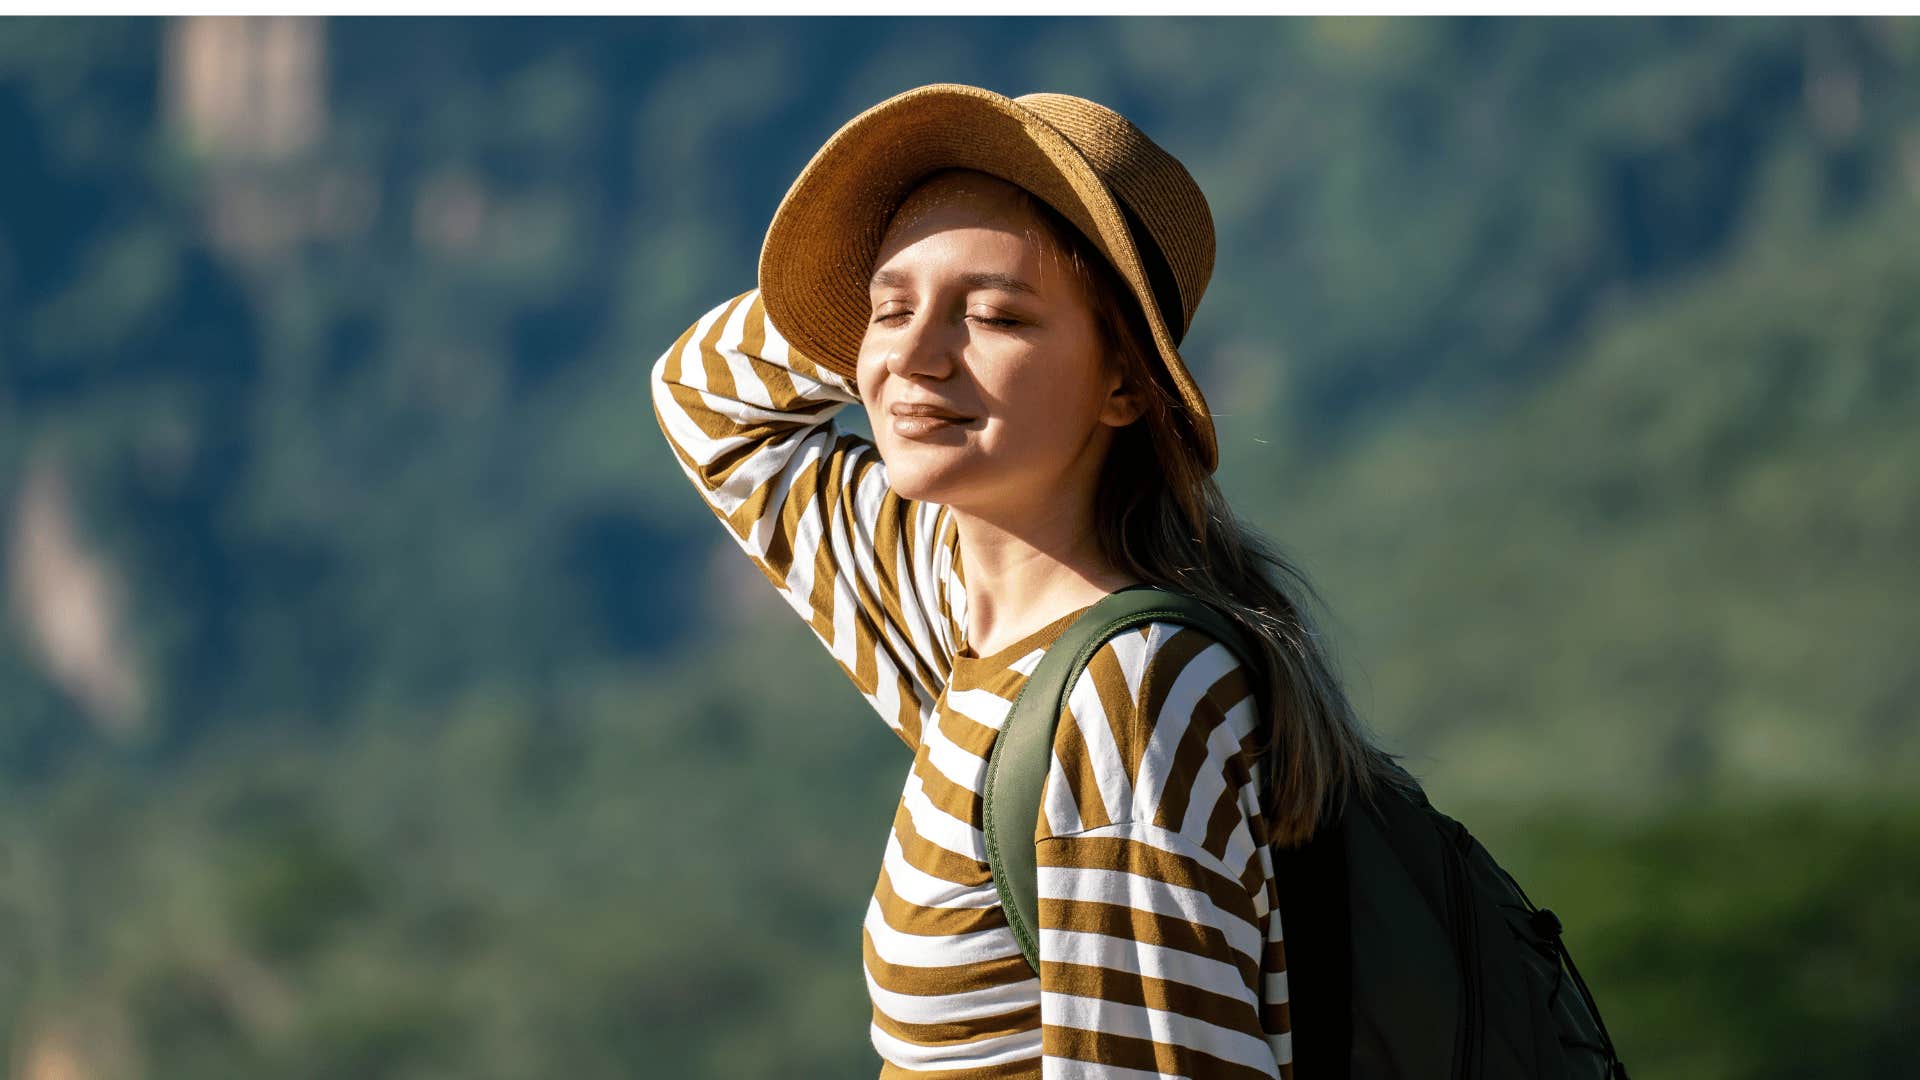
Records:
x=1022, y=753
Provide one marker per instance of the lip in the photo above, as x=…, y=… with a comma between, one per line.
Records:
x=934, y=411
x=927, y=426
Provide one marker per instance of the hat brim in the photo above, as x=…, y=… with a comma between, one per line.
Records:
x=819, y=251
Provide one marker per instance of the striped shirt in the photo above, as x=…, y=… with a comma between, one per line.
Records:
x=1159, y=939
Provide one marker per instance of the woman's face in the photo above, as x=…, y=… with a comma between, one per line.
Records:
x=975, y=314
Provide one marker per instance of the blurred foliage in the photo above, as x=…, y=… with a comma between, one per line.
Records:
x=1735, y=939
x=1576, y=359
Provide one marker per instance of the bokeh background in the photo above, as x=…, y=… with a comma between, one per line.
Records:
x=377, y=699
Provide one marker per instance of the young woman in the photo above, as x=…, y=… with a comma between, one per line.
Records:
x=1002, y=284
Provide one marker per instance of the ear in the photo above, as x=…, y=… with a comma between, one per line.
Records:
x=1122, y=406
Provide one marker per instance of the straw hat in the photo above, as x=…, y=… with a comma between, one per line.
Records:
x=1135, y=202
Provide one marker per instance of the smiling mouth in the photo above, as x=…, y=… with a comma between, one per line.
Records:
x=921, y=425
x=911, y=412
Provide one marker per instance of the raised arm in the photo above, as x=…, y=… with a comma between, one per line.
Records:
x=751, y=423
x=1159, y=942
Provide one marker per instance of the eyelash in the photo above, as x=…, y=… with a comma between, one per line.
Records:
x=1001, y=323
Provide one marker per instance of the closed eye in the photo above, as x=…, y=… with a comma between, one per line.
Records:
x=999, y=323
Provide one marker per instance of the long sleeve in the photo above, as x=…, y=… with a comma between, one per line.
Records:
x=751, y=423
x=1159, y=938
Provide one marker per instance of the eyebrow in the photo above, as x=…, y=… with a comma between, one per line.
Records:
x=977, y=280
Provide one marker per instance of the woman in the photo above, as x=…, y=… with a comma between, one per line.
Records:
x=1002, y=283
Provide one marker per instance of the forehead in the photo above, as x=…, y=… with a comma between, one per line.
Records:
x=960, y=192
x=988, y=208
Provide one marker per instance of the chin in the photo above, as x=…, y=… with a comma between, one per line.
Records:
x=906, y=484
x=912, y=477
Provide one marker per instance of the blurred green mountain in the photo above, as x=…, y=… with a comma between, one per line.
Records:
x=1685, y=561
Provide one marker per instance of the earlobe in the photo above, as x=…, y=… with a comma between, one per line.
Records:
x=1123, y=408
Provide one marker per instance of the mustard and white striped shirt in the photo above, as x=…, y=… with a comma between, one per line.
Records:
x=1159, y=939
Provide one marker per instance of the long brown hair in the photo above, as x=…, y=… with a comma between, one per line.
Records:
x=1161, y=517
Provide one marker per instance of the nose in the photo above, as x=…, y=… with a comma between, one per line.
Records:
x=925, y=346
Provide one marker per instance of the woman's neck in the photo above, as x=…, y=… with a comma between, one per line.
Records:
x=1025, y=570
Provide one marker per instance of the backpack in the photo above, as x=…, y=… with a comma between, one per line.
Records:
x=1407, y=945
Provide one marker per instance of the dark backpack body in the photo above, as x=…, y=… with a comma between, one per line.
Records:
x=1410, y=952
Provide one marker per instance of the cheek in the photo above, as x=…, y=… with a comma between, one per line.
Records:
x=866, y=377
x=867, y=380
x=1055, y=407
x=870, y=364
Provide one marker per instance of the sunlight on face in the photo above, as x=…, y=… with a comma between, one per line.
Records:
x=977, y=315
